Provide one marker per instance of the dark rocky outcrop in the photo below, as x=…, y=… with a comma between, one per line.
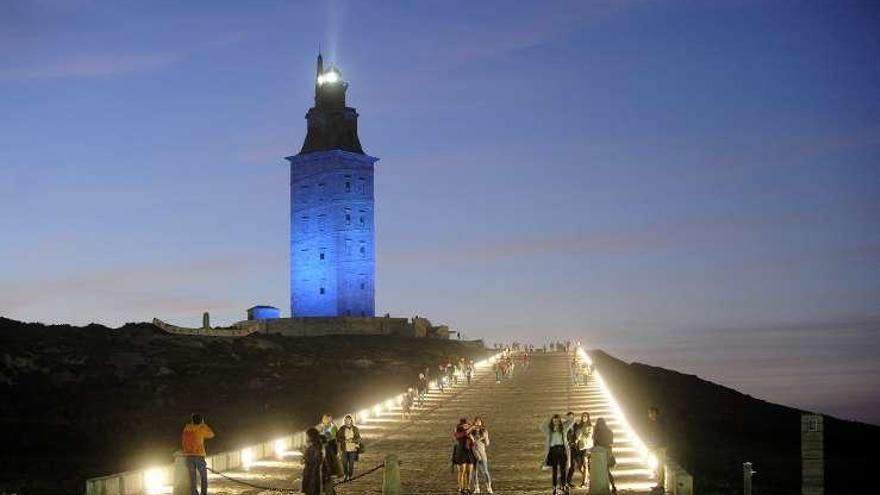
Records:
x=78, y=402
x=714, y=429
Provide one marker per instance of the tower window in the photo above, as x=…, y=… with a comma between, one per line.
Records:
x=321, y=290
x=363, y=286
x=348, y=247
x=363, y=251
x=348, y=186
x=348, y=219
x=321, y=255
x=362, y=185
x=363, y=222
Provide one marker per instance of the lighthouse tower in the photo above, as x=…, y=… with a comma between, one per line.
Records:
x=332, y=241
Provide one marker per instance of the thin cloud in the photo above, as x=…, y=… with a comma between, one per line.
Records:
x=187, y=286
x=92, y=65
x=695, y=232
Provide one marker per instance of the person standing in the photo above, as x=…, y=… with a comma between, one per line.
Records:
x=481, y=469
x=313, y=460
x=193, y=442
x=348, y=438
x=581, y=443
x=556, y=431
x=602, y=460
x=463, y=455
x=657, y=444
x=328, y=429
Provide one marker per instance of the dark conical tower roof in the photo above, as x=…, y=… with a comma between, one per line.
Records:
x=331, y=124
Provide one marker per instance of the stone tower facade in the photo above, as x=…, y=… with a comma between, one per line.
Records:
x=332, y=239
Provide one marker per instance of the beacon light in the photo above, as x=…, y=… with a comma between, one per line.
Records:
x=247, y=457
x=328, y=77
x=377, y=409
x=389, y=404
x=155, y=480
x=363, y=415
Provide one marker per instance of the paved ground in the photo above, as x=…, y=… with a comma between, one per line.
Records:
x=513, y=411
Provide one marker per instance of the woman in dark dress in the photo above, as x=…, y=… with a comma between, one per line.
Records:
x=463, y=455
x=313, y=459
x=603, y=438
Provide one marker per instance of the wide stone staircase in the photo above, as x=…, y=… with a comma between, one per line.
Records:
x=513, y=411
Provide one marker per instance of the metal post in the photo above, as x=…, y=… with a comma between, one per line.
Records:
x=747, y=478
x=391, y=476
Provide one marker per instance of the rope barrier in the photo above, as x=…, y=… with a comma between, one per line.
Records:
x=379, y=466
x=258, y=487
x=293, y=490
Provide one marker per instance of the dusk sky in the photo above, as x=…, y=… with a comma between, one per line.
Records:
x=688, y=184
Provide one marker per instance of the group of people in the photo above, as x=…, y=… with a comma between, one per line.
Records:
x=570, y=447
x=331, y=452
x=505, y=364
x=470, y=456
x=581, y=372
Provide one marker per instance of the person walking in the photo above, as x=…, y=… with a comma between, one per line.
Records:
x=463, y=455
x=602, y=460
x=312, y=461
x=556, y=431
x=422, y=387
x=193, y=442
x=481, y=468
x=441, y=376
x=406, y=404
x=581, y=443
x=348, y=438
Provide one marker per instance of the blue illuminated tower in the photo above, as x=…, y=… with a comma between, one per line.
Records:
x=332, y=241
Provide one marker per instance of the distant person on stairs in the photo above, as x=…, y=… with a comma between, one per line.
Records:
x=193, y=439
x=557, y=449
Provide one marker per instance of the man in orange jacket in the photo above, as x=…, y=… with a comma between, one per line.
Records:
x=193, y=439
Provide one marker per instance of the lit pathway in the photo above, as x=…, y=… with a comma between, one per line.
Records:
x=513, y=411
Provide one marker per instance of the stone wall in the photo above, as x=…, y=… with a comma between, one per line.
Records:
x=319, y=326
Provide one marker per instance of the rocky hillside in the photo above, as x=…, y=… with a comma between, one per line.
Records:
x=78, y=402
x=715, y=429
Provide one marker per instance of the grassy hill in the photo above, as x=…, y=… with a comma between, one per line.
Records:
x=714, y=429
x=78, y=402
